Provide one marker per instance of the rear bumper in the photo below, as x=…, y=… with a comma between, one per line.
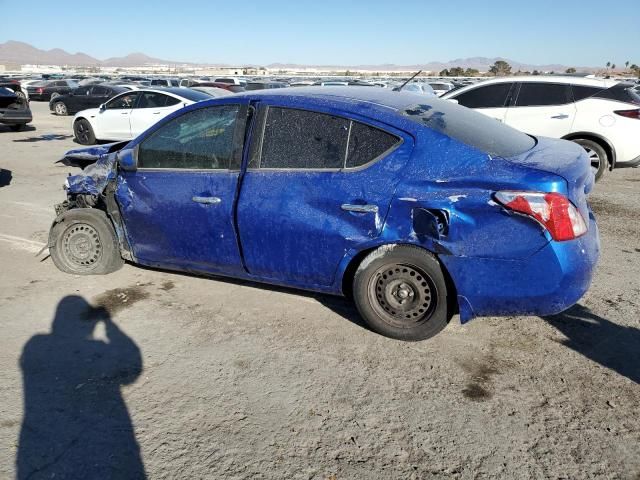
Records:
x=548, y=282
x=15, y=117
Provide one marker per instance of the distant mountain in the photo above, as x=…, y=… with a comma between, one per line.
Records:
x=22, y=53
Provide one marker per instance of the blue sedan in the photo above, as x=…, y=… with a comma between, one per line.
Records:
x=415, y=207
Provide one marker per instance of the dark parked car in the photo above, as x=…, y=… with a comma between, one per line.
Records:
x=81, y=98
x=14, y=108
x=416, y=207
x=50, y=89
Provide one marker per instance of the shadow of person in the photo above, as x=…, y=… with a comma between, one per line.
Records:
x=613, y=346
x=76, y=424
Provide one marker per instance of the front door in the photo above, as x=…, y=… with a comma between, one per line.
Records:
x=316, y=186
x=112, y=123
x=178, y=205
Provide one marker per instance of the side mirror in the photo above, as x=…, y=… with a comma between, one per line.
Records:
x=128, y=159
x=102, y=107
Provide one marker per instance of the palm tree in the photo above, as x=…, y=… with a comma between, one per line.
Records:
x=626, y=64
x=608, y=65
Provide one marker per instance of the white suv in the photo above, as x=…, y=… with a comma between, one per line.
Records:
x=601, y=115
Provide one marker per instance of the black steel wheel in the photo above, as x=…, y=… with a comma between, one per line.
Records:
x=401, y=292
x=83, y=242
x=83, y=132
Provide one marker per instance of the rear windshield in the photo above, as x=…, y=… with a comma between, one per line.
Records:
x=471, y=128
x=193, y=95
x=622, y=92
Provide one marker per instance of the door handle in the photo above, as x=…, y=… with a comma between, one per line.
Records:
x=156, y=113
x=207, y=200
x=561, y=116
x=359, y=208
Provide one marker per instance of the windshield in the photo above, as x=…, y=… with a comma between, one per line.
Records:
x=471, y=128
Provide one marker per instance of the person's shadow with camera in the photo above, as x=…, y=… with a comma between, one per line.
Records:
x=76, y=423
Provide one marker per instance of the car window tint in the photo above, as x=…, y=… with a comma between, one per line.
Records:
x=367, y=143
x=123, y=102
x=151, y=100
x=543, y=94
x=301, y=139
x=489, y=96
x=622, y=92
x=471, y=128
x=201, y=139
x=99, y=91
x=81, y=91
x=580, y=92
x=171, y=101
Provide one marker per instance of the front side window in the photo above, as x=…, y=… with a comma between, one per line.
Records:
x=300, y=139
x=543, y=94
x=123, y=102
x=489, y=96
x=200, y=139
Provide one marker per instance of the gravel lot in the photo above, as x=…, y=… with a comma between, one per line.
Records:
x=187, y=377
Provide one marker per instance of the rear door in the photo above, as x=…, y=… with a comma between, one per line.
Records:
x=317, y=184
x=542, y=109
x=113, y=123
x=178, y=205
x=492, y=100
x=152, y=107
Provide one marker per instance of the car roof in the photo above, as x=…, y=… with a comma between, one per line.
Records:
x=586, y=81
x=345, y=96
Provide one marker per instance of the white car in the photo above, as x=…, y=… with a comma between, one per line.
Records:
x=601, y=115
x=440, y=88
x=127, y=115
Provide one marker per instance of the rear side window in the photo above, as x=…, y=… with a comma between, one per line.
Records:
x=200, y=139
x=543, y=94
x=580, y=92
x=100, y=91
x=622, y=92
x=489, y=96
x=300, y=139
x=367, y=143
x=471, y=128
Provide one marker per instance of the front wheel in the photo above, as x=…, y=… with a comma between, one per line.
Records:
x=60, y=108
x=83, y=132
x=83, y=242
x=400, y=291
x=597, y=156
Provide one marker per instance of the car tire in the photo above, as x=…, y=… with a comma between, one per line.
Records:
x=83, y=242
x=597, y=155
x=60, y=108
x=401, y=292
x=83, y=132
x=17, y=128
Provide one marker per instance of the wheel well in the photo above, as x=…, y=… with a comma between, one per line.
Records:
x=350, y=271
x=611, y=154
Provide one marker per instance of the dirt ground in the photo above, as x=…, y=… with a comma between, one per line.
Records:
x=176, y=376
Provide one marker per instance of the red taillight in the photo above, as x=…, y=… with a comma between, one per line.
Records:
x=40, y=90
x=552, y=210
x=635, y=113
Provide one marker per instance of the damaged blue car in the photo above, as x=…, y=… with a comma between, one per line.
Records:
x=415, y=207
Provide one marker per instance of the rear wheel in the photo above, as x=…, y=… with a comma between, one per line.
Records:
x=85, y=243
x=83, y=132
x=400, y=291
x=60, y=108
x=597, y=155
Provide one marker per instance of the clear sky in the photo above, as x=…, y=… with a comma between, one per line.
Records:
x=338, y=32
